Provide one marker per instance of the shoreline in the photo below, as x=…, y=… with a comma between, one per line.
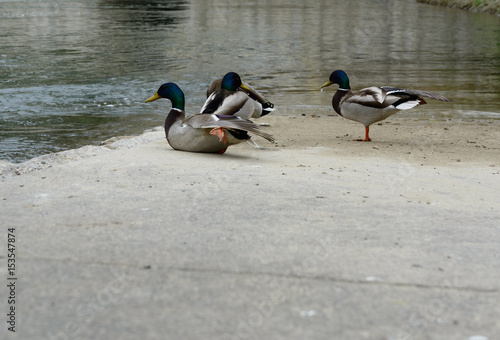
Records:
x=428, y=141
x=485, y=6
x=73, y=155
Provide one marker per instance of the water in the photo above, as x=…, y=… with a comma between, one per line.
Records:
x=77, y=72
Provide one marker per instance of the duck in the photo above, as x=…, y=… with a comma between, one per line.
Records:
x=373, y=104
x=231, y=94
x=202, y=132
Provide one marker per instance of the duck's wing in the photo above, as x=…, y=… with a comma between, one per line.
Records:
x=386, y=96
x=223, y=102
x=207, y=121
x=370, y=96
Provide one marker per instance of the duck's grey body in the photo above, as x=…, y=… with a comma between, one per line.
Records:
x=195, y=133
x=373, y=104
x=182, y=136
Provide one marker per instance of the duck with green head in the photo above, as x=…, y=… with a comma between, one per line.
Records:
x=373, y=104
x=231, y=94
x=202, y=132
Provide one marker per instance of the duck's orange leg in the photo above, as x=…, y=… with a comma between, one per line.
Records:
x=219, y=132
x=367, y=135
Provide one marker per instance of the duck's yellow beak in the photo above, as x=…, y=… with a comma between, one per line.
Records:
x=152, y=98
x=328, y=83
x=244, y=87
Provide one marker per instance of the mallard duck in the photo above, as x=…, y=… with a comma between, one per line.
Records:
x=373, y=104
x=231, y=94
x=202, y=132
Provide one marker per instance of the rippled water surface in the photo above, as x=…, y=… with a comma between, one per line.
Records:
x=77, y=72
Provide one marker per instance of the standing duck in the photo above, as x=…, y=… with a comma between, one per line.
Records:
x=202, y=132
x=231, y=94
x=373, y=104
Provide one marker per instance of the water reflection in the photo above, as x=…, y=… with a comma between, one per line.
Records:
x=75, y=73
x=137, y=14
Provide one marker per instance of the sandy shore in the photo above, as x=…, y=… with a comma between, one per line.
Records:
x=316, y=237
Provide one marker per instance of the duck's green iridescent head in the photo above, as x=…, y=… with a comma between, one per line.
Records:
x=338, y=77
x=169, y=91
x=231, y=81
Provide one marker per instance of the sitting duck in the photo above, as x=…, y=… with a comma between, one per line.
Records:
x=202, y=132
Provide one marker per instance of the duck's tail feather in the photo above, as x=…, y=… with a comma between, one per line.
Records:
x=247, y=125
x=235, y=122
x=425, y=94
x=267, y=108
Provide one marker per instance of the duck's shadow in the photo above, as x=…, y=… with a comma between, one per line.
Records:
x=230, y=154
